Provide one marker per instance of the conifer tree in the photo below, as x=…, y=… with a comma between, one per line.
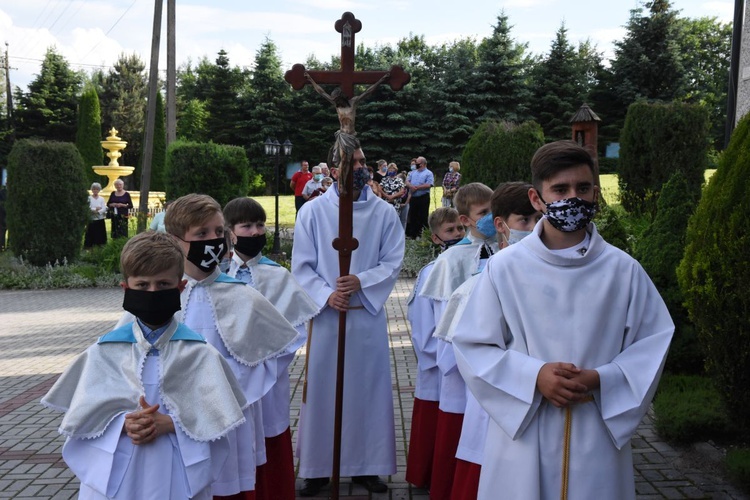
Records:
x=88, y=134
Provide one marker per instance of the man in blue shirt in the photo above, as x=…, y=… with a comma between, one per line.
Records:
x=419, y=183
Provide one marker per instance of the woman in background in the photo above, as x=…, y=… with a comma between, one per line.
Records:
x=119, y=205
x=451, y=181
x=96, y=232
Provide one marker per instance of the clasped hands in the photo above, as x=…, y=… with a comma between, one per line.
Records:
x=564, y=384
x=145, y=425
x=345, y=287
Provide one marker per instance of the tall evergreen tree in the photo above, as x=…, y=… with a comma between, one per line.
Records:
x=159, y=154
x=48, y=110
x=648, y=64
x=222, y=101
x=88, y=134
x=500, y=82
x=266, y=106
x=558, y=87
x=123, y=100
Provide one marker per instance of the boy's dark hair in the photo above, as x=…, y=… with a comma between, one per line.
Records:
x=511, y=198
x=189, y=211
x=556, y=156
x=241, y=210
x=471, y=194
x=150, y=253
x=440, y=216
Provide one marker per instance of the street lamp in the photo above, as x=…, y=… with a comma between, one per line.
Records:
x=274, y=149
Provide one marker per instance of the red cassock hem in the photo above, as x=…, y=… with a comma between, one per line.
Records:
x=422, y=442
x=466, y=480
x=274, y=480
x=444, y=460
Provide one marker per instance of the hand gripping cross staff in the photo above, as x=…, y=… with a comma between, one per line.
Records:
x=343, y=154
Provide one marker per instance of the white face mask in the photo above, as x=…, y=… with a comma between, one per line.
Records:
x=450, y=169
x=516, y=235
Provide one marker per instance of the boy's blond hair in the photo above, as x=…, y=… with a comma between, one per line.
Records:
x=471, y=194
x=189, y=211
x=440, y=216
x=150, y=253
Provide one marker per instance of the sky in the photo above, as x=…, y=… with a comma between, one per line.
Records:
x=93, y=33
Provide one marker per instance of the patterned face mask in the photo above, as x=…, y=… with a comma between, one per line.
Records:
x=569, y=214
x=361, y=178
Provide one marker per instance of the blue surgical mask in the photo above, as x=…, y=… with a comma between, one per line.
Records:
x=413, y=166
x=486, y=226
x=318, y=177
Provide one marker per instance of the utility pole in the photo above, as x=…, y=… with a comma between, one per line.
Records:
x=148, y=141
x=8, y=93
x=171, y=74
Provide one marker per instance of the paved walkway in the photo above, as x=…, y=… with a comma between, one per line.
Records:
x=41, y=331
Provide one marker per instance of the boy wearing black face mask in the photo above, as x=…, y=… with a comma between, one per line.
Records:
x=135, y=401
x=446, y=230
x=237, y=320
x=246, y=221
x=562, y=342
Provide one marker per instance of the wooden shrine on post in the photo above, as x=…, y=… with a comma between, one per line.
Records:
x=345, y=102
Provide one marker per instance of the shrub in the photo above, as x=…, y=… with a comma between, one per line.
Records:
x=738, y=466
x=214, y=169
x=611, y=227
x=608, y=165
x=16, y=273
x=656, y=141
x=688, y=408
x=715, y=272
x=500, y=152
x=660, y=251
x=419, y=252
x=47, y=205
x=106, y=257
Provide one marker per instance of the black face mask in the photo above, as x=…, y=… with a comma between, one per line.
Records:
x=448, y=243
x=250, y=246
x=207, y=254
x=153, y=308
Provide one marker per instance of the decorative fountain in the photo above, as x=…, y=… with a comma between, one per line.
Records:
x=114, y=170
x=113, y=145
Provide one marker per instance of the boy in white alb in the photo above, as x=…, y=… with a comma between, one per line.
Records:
x=245, y=327
x=562, y=342
x=451, y=269
x=446, y=231
x=513, y=217
x=246, y=221
x=136, y=417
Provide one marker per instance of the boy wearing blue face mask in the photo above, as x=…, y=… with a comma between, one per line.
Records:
x=236, y=319
x=562, y=342
x=446, y=232
x=246, y=220
x=513, y=217
x=451, y=269
x=137, y=422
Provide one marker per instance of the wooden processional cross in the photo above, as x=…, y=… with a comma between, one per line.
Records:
x=345, y=102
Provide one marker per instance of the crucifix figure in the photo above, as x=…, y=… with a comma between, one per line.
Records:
x=351, y=294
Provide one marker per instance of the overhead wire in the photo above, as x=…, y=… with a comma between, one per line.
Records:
x=110, y=29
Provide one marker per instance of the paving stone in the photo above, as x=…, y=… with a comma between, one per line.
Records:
x=47, y=329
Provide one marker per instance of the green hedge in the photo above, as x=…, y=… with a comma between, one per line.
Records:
x=47, y=206
x=214, y=169
x=500, y=152
x=715, y=272
x=660, y=251
x=657, y=141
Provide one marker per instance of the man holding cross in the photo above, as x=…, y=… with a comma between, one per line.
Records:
x=368, y=435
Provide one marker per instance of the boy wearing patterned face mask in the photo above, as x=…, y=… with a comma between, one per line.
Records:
x=246, y=220
x=513, y=217
x=245, y=327
x=451, y=269
x=562, y=342
x=446, y=232
x=134, y=401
